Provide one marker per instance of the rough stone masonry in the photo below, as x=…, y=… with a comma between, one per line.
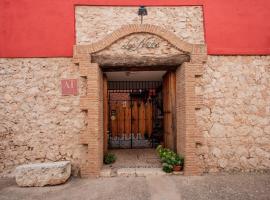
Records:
x=37, y=124
x=41, y=174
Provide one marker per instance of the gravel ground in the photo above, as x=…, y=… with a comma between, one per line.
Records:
x=216, y=187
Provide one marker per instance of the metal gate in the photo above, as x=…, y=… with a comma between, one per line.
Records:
x=134, y=110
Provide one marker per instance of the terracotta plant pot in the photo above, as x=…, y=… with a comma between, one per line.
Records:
x=177, y=168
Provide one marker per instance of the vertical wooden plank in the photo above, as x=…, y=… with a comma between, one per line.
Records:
x=113, y=121
x=169, y=90
x=128, y=119
x=148, y=117
x=120, y=119
x=169, y=113
x=142, y=118
x=165, y=108
x=105, y=114
x=173, y=109
x=135, y=118
x=117, y=117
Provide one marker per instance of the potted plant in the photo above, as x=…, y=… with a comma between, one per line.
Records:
x=109, y=158
x=171, y=161
x=167, y=167
x=178, y=163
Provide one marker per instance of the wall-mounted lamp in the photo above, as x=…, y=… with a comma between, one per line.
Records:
x=142, y=12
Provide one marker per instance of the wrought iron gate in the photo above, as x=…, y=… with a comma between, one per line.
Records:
x=134, y=107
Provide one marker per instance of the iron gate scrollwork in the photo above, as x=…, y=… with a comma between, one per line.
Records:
x=135, y=108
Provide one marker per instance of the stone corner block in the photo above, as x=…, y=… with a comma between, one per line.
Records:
x=41, y=174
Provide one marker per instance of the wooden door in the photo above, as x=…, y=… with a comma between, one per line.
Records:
x=169, y=109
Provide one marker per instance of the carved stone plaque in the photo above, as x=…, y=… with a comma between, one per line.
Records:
x=69, y=87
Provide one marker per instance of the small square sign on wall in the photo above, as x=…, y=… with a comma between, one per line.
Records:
x=69, y=87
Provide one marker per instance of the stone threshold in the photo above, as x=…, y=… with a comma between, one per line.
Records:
x=135, y=172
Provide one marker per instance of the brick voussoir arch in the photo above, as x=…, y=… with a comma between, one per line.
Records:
x=126, y=30
x=188, y=134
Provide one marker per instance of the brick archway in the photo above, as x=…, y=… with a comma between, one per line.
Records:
x=188, y=134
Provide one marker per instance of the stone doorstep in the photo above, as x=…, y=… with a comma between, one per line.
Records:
x=139, y=172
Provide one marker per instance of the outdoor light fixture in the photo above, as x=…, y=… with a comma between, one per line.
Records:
x=142, y=12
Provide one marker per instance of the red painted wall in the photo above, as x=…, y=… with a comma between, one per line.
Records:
x=31, y=28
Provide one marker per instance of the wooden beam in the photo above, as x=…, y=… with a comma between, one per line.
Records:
x=113, y=61
x=143, y=68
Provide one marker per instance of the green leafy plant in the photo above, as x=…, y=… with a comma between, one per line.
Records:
x=159, y=149
x=179, y=160
x=169, y=158
x=167, y=168
x=109, y=158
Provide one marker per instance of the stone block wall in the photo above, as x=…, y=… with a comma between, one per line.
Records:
x=37, y=123
x=93, y=23
x=235, y=117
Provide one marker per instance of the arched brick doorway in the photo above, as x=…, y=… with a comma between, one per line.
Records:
x=188, y=134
